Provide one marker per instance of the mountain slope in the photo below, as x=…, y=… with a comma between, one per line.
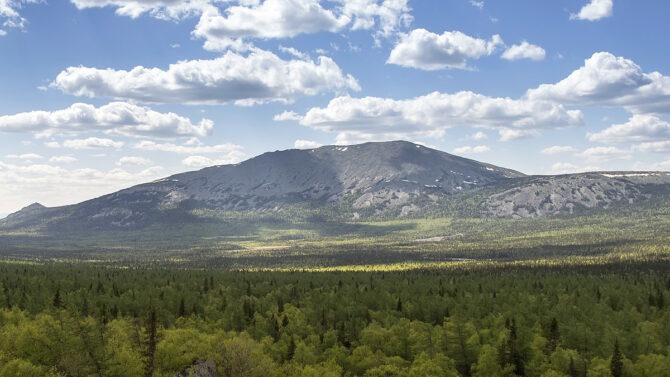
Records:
x=371, y=178
x=575, y=193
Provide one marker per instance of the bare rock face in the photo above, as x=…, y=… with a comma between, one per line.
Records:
x=379, y=175
x=565, y=194
x=200, y=369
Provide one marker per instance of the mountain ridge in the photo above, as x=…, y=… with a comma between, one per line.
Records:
x=392, y=179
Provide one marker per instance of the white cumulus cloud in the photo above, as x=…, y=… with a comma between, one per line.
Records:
x=10, y=16
x=509, y=134
x=54, y=185
x=594, y=10
x=653, y=146
x=558, y=149
x=63, y=159
x=25, y=156
x=276, y=19
x=608, y=80
x=91, y=143
x=604, y=154
x=568, y=168
x=375, y=118
x=232, y=153
x=471, y=149
x=133, y=161
x=524, y=50
x=196, y=162
x=479, y=135
x=115, y=118
x=306, y=144
x=640, y=127
x=257, y=77
x=162, y=9
x=429, y=51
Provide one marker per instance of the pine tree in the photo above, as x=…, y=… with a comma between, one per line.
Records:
x=150, y=352
x=84, y=307
x=182, y=308
x=399, y=305
x=280, y=304
x=291, y=349
x=554, y=335
x=274, y=328
x=616, y=365
x=57, y=300
x=572, y=369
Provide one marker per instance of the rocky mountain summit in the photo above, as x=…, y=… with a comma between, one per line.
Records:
x=391, y=179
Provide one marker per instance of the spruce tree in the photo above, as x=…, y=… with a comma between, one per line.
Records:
x=291, y=349
x=57, y=300
x=572, y=369
x=616, y=365
x=554, y=335
x=182, y=308
x=150, y=351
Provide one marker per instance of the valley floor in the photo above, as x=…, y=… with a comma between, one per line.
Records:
x=579, y=296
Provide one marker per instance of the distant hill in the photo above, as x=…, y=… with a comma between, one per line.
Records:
x=388, y=179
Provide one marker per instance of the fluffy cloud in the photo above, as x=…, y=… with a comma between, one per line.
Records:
x=374, y=118
x=25, y=156
x=594, y=10
x=661, y=165
x=566, y=168
x=639, y=127
x=259, y=76
x=604, y=154
x=508, y=134
x=653, y=146
x=197, y=162
x=284, y=19
x=133, y=161
x=609, y=80
x=268, y=19
x=524, y=50
x=428, y=51
x=231, y=153
x=54, y=185
x=558, y=149
x=89, y=143
x=62, y=159
x=477, y=4
x=163, y=9
x=10, y=16
x=479, y=135
x=471, y=150
x=306, y=144
x=117, y=118
x=293, y=52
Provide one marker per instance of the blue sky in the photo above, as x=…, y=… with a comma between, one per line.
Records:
x=97, y=95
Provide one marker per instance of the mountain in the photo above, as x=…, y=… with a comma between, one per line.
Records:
x=570, y=194
x=387, y=179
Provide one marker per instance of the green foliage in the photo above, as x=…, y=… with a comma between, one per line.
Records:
x=507, y=320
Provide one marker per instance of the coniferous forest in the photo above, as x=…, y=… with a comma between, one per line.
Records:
x=75, y=320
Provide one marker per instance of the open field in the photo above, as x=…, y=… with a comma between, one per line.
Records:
x=268, y=241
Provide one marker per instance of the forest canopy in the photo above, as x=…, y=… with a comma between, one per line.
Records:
x=74, y=320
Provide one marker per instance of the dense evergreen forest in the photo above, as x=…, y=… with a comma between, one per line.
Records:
x=77, y=320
